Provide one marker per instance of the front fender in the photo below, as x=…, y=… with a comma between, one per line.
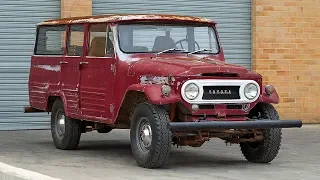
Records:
x=271, y=99
x=154, y=94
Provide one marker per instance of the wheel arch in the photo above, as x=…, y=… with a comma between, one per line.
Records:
x=139, y=93
x=127, y=107
x=51, y=98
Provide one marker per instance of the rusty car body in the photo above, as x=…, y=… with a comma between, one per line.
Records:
x=166, y=95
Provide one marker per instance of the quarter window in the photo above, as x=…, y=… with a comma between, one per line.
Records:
x=51, y=40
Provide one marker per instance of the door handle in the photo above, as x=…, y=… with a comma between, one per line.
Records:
x=83, y=62
x=63, y=62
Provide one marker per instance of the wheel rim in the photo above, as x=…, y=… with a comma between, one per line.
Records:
x=144, y=135
x=60, y=124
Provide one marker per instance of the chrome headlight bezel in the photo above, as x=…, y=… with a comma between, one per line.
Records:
x=191, y=88
x=247, y=91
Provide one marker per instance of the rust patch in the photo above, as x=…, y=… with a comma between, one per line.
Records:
x=125, y=17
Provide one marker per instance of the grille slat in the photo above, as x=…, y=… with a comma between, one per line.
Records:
x=220, y=92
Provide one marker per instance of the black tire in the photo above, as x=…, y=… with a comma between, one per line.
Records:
x=156, y=153
x=267, y=150
x=70, y=137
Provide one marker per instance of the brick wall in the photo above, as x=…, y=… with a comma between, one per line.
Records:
x=286, y=51
x=72, y=8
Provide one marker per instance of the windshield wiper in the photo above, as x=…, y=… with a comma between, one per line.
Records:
x=200, y=50
x=170, y=50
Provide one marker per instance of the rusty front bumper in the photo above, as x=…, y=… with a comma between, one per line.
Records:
x=250, y=124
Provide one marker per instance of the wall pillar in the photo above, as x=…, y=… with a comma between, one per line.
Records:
x=286, y=52
x=72, y=8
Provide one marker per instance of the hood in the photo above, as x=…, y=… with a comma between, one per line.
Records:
x=182, y=66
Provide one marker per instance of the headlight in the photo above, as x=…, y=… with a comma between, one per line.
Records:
x=251, y=91
x=191, y=91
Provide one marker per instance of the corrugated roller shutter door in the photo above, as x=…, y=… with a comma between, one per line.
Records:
x=17, y=33
x=233, y=18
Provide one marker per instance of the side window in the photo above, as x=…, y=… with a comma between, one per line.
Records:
x=51, y=40
x=75, y=40
x=100, y=41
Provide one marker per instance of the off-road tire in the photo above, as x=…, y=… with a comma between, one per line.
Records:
x=268, y=149
x=157, y=155
x=72, y=134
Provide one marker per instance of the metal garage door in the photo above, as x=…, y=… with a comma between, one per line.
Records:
x=233, y=18
x=17, y=33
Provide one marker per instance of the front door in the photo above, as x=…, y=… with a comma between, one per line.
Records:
x=96, y=81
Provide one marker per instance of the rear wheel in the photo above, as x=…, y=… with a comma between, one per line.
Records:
x=66, y=132
x=266, y=150
x=150, y=136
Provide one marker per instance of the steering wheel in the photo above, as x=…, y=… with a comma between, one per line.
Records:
x=186, y=40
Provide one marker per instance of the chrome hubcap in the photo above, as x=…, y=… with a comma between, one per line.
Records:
x=60, y=124
x=146, y=135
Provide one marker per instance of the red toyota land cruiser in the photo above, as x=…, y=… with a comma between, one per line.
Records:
x=164, y=77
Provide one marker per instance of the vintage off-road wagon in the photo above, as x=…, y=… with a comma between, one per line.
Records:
x=164, y=77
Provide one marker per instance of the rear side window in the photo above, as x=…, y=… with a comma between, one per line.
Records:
x=51, y=40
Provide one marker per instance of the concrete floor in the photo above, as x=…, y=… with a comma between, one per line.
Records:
x=106, y=156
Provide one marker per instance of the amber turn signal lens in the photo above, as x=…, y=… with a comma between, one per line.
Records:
x=269, y=89
x=166, y=90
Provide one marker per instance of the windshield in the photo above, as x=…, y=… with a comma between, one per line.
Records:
x=153, y=38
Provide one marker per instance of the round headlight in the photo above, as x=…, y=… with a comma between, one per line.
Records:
x=191, y=91
x=251, y=91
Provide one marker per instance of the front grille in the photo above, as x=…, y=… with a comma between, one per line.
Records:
x=220, y=92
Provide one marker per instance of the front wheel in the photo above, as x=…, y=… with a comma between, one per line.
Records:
x=150, y=136
x=266, y=150
x=66, y=132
